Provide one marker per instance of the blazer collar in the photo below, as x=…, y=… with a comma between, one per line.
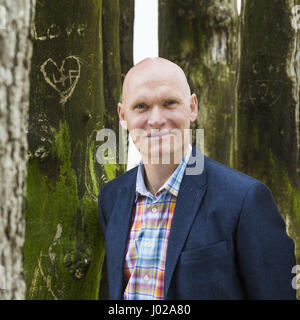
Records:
x=195, y=171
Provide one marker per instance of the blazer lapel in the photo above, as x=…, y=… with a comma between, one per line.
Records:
x=117, y=237
x=191, y=193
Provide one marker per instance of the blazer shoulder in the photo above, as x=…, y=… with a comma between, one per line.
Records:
x=227, y=178
x=126, y=179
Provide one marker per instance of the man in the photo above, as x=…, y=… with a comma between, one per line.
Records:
x=216, y=234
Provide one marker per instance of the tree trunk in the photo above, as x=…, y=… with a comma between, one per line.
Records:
x=64, y=249
x=126, y=35
x=268, y=135
x=201, y=37
x=15, y=55
x=118, y=19
x=118, y=59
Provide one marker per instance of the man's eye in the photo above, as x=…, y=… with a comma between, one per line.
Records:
x=140, y=107
x=170, y=102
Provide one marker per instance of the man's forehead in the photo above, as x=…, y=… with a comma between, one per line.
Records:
x=153, y=79
x=159, y=94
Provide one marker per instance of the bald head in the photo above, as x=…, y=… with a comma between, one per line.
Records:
x=154, y=68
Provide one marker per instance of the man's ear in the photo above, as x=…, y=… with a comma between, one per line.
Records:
x=194, y=107
x=121, y=114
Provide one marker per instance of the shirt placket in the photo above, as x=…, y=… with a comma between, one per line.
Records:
x=148, y=256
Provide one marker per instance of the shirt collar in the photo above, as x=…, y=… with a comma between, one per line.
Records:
x=171, y=185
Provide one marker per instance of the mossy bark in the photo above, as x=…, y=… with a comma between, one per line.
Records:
x=201, y=37
x=64, y=248
x=268, y=133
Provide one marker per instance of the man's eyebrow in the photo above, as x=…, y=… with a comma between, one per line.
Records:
x=172, y=98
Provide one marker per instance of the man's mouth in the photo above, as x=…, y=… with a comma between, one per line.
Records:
x=161, y=134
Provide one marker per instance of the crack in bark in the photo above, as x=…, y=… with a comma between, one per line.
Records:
x=296, y=71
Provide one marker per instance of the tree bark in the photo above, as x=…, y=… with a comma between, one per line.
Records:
x=268, y=135
x=126, y=35
x=117, y=17
x=201, y=37
x=15, y=55
x=72, y=61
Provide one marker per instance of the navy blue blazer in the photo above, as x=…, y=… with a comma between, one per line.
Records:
x=227, y=238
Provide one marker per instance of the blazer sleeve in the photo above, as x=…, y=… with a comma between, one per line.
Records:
x=265, y=253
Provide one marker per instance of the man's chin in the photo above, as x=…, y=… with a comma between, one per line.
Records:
x=162, y=157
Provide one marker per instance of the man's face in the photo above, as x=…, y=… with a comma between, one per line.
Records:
x=158, y=109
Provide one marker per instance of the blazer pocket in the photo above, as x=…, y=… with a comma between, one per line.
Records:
x=208, y=253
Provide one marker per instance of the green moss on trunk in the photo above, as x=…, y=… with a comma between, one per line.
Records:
x=62, y=256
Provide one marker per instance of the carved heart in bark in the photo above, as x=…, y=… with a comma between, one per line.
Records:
x=265, y=92
x=63, y=79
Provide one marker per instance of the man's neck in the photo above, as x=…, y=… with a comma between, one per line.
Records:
x=157, y=174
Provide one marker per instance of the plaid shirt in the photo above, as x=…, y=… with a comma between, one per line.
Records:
x=144, y=266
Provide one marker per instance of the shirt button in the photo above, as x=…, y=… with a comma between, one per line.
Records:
x=154, y=209
x=146, y=278
x=148, y=244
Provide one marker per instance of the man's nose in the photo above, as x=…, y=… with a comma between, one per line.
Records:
x=156, y=117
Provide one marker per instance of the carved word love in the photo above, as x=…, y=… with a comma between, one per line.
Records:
x=63, y=79
x=54, y=31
